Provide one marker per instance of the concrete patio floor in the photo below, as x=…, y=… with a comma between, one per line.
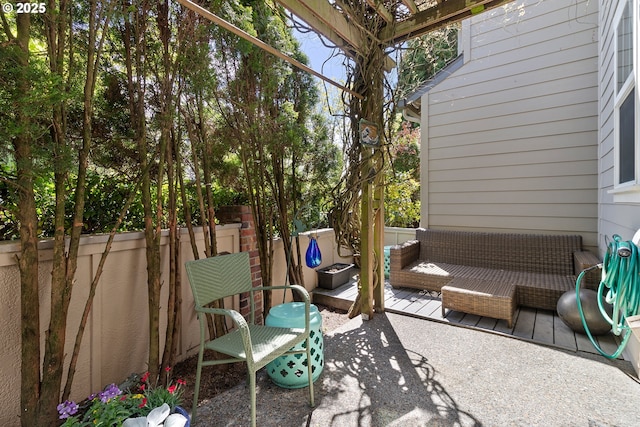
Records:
x=396, y=370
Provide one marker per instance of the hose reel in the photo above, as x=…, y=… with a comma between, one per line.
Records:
x=619, y=286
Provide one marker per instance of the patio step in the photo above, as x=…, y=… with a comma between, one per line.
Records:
x=340, y=298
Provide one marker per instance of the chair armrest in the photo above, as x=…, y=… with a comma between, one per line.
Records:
x=404, y=254
x=298, y=288
x=237, y=318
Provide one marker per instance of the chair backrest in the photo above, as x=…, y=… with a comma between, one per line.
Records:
x=219, y=277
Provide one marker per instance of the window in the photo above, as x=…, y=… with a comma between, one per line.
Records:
x=627, y=138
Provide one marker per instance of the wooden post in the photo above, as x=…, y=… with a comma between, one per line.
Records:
x=372, y=203
x=367, y=260
x=378, y=235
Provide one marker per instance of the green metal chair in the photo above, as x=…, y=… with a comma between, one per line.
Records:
x=257, y=345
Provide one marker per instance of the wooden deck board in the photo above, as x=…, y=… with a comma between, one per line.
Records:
x=525, y=323
x=398, y=299
x=608, y=343
x=503, y=327
x=470, y=320
x=583, y=343
x=563, y=336
x=487, y=323
x=543, y=329
x=418, y=301
x=541, y=326
x=432, y=309
x=453, y=316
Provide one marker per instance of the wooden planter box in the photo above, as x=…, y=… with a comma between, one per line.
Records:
x=334, y=275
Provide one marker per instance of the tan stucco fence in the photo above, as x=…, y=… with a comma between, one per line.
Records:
x=115, y=342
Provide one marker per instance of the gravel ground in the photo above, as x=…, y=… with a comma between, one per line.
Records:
x=401, y=371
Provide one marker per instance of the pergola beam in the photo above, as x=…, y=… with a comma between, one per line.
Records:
x=328, y=21
x=381, y=10
x=442, y=14
x=411, y=5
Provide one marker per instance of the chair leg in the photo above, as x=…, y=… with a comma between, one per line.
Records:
x=196, y=390
x=310, y=372
x=252, y=391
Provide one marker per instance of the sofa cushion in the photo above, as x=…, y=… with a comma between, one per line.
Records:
x=539, y=290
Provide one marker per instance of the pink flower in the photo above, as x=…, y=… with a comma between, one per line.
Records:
x=172, y=388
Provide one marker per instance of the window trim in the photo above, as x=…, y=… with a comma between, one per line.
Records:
x=629, y=191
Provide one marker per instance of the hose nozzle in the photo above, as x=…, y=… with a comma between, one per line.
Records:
x=624, y=251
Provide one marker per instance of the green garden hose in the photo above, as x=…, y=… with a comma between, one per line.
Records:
x=621, y=278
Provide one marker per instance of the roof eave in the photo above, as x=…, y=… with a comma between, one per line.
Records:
x=413, y=100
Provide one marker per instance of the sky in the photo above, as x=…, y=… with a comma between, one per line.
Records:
x=318, y=54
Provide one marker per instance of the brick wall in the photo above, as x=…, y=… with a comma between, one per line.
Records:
x=248, y=243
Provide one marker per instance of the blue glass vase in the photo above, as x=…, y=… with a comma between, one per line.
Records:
x=313, y=256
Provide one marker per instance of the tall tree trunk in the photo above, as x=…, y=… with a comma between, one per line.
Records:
x=98, y=20
x=174, y=302
x=28, y=219
x=197, y=136
x=135, y=29
x=207, y=157
x=168, y=355
x=60, y=289
x=188, y=217
x=92, y=291
x=165, y=79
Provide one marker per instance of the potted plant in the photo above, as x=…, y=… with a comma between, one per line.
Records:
x=140, y=404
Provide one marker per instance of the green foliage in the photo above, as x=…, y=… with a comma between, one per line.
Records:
x=424, y=56
x=402, y=201
x=113, y=405
x=8, y=222
x=285, y=118
x=422, y=59
x=268, y=117
x=402, y=190
x=222, y=196
x=106, y=196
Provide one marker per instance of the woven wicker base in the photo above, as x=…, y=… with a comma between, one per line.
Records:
x=489, y=274
x=480, y=297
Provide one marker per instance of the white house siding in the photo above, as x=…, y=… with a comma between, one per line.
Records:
x=617, y=217
x=510, y=140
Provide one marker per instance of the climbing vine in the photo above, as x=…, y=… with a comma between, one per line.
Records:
x=360, y=191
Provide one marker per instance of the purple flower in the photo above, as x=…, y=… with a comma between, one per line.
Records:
x=67, y=409
x=109, y=392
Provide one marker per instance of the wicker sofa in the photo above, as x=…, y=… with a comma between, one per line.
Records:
x=489, y=274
